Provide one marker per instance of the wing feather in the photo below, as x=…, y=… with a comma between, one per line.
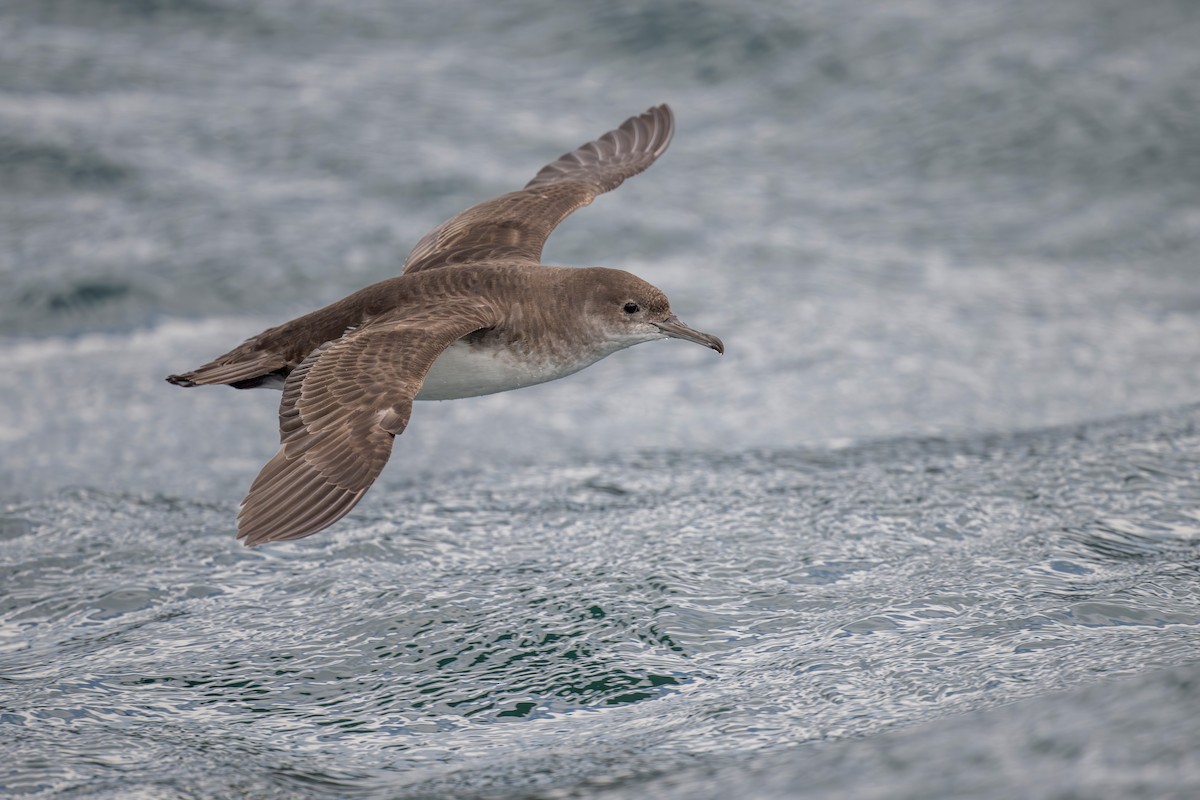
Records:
x=341, y=409
x=515, y=226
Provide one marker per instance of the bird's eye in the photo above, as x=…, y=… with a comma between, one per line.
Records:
x=632, y=308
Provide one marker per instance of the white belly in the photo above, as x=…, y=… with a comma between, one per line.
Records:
x=469, y=370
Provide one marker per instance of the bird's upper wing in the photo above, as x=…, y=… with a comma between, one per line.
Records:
x=515, y=226
x=340, y=411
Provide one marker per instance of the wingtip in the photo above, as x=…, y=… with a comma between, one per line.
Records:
x=662, y=121
x=292, y=508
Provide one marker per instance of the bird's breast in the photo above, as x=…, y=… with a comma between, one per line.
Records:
x=472, y=367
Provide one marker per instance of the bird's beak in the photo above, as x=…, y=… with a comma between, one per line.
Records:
x=675, y=329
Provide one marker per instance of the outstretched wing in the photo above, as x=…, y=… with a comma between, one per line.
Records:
x=340, y=411
x=515, y=226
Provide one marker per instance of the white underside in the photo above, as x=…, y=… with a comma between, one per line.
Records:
x=469, y=370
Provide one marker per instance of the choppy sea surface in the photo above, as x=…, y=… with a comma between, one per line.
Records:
x=930, y=528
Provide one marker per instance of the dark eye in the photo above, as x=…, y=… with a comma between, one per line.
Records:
x=632, y=308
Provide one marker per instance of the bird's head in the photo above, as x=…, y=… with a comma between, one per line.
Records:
x=630, y=311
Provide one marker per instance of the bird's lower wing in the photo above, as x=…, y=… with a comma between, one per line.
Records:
x=340, y=411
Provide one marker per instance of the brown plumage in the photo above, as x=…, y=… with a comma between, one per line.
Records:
x=473, y=312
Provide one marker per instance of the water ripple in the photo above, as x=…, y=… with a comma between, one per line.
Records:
x=713, y=604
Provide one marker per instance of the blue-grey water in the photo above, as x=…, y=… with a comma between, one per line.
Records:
x=930, y=528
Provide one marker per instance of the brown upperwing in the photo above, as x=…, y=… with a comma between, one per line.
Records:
x=515, y=226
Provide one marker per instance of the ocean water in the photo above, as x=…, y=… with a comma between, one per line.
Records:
x=931, y=527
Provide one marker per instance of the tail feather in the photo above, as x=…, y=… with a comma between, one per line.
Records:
x=268, y=371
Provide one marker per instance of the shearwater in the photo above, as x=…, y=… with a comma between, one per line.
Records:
x=473, y=312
